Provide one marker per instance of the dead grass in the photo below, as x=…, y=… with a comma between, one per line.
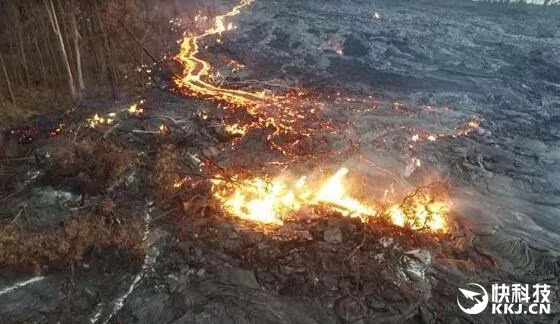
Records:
x=71, y=242
x=32, y=102
x=8, y=170
x=166, y=173
x=88, y=166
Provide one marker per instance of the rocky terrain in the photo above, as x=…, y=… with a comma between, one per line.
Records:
x=171, y=256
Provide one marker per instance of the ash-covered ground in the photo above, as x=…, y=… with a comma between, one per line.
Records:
x=430, y=67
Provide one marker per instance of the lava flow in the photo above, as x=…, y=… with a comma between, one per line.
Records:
x=283, y=114
x=273, y=200
x=195, y=69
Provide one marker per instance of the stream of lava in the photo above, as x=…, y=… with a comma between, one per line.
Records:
x=273, y=200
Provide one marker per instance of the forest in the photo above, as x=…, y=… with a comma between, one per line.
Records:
x=56, y=53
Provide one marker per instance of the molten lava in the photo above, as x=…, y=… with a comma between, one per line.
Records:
x=195, y=69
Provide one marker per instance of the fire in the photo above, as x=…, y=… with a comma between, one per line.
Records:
x=96, y=120
x=274, y=201
x=135, y=109
x=473, y=123
x=334, y=192
x=421, y=211
x=283, y=115
x=164, y=129
x=460, y=130
x=57, y=130
x=235, y=129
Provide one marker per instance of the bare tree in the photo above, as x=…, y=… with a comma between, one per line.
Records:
x=21, y=43
x=77, y=38
x=111, y=73
x=12, y=97
x=56, y=28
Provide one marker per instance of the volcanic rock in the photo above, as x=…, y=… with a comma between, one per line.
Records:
x=354, y=46
x=333, y=235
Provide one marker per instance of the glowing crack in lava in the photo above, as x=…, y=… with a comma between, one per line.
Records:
x=269, y=200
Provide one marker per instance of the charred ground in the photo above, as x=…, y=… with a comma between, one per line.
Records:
x=95, y=213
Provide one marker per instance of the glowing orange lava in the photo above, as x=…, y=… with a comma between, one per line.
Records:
x=195, y=69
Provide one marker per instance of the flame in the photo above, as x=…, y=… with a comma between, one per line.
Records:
x=235, y=129
x=460, y=130
x=97, y=120
x=135, y=109
x=287, y=115
x=274, y=201
x=421, y=212
x=164, y=129
x=333, y=191
x=56, y=131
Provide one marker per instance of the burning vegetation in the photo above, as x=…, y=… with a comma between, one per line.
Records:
x=275, y=201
